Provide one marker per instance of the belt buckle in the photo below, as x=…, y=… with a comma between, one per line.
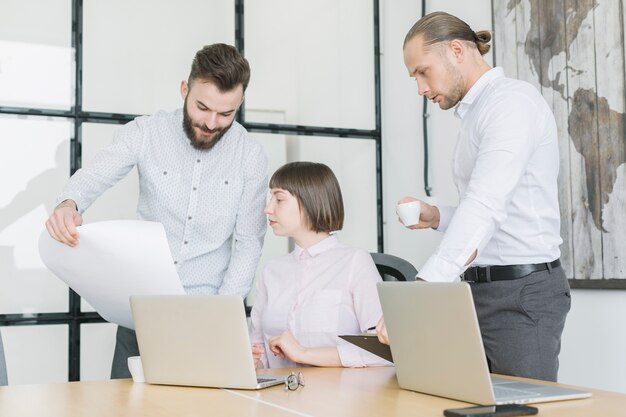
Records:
x=477, y=274
x=487, y=274
x=470, y=274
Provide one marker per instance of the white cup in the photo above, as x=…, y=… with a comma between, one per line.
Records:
x=136, y=369
x=409, y=212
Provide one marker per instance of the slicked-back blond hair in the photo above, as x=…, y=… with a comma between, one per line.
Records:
x=439, y=27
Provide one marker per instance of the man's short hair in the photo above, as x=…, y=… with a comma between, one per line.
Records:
x=222, y=65
x=439, y=27
x=317, y=190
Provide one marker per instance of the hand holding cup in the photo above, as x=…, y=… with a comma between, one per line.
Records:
x=409, y=211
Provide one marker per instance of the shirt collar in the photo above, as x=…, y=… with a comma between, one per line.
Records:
x=479, y=86
x=320, y=247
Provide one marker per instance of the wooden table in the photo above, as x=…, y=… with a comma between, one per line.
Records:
x=328, y=392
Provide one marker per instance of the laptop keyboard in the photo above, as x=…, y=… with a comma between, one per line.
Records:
x=502, y=392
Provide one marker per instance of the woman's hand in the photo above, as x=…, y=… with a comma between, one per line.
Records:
x=286, y=346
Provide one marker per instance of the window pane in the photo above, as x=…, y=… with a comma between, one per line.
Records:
x=34, y=160
x=36, y=56
x=36, y=354
x=354, y=163
x=316, y=63
x=119, y=202
x=137, y=52
x=97, y=342
x=345, y=157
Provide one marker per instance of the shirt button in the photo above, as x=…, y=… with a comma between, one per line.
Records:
x=185, y=242
x=197, y=160
x=194, y=188
x=175, y=262
x=226, y=182
x=189, y=218
x=164, y=172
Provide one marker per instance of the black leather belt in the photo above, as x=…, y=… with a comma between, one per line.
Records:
x=505, y=272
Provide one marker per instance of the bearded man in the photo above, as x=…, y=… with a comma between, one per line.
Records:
x=200, y=174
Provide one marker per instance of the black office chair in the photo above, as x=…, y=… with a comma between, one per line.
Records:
x=393, y=268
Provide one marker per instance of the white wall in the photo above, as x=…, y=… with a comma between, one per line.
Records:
x=594, y=340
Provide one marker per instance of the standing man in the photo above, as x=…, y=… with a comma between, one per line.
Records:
x=507, y=224
x=200, y=175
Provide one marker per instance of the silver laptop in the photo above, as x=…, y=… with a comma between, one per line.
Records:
x=196, y=340
x=437, y=347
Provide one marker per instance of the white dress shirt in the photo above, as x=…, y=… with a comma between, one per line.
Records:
x=317, y=294
x=505, y=167
x=210, y=202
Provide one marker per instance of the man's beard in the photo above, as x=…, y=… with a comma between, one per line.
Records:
x=455, y=94
x=197, y=142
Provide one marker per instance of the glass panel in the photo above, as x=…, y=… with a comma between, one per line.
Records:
x=354, y=163
x=345, y=157
x=97, y=342
x=137, y=67
x=36, y=354
x=119, y=202
x=316, y=63
x=36, y=56
x=34, y=161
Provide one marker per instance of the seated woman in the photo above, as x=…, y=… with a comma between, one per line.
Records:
x=322, y=289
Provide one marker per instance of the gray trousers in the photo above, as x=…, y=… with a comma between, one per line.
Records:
x=125, y=346
x=3, y=365
x=521, y=322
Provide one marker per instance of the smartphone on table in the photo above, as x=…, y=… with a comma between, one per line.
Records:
x=491, y=411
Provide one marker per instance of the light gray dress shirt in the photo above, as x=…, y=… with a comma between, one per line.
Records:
x=209, y=202
x=505, y=167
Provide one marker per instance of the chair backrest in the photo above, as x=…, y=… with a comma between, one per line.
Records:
x=393, y=268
